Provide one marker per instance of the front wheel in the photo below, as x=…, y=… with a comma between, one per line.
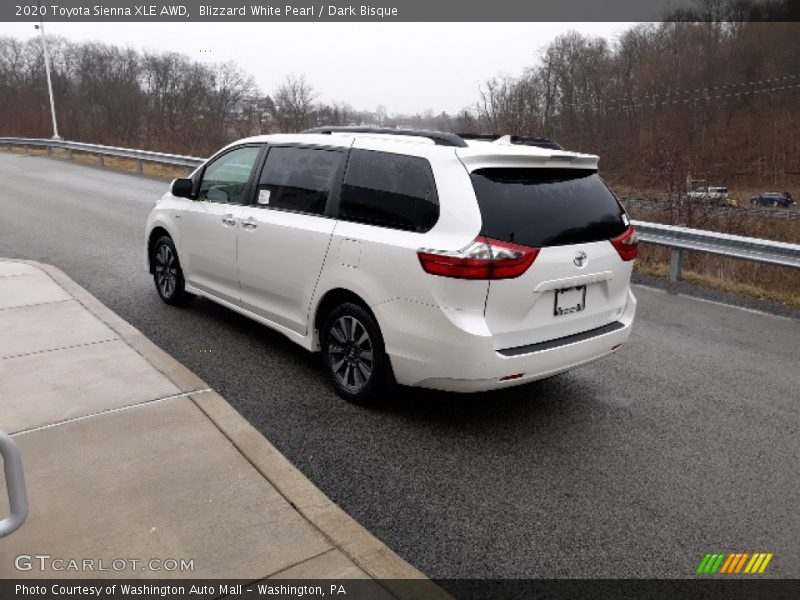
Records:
x=354, y=355
x=167, y=273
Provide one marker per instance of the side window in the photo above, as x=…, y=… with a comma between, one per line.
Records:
x=389, y=190
x=225, y=180
x=298, y=179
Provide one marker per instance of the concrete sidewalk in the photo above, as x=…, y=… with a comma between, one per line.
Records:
x=128, y=455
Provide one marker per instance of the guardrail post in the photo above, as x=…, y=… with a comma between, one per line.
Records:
x=15, y=484
x=139, y=166
x=69, y=154
x=102, y=160
x=676, y=264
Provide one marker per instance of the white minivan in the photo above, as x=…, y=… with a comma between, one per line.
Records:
x=453, y=262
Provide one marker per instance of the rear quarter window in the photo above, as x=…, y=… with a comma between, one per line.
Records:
x=389, y=190
x=546, y=207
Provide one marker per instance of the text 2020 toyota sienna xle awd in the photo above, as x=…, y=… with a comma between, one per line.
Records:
x=460, y=263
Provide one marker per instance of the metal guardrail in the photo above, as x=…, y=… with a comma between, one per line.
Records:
x=15, y=484
x=140, y=156
x=680, y=239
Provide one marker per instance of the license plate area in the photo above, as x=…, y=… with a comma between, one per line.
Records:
x=569, y=300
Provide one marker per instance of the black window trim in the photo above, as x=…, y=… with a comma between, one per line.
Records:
x=336, y=187
x=249, y=186
x=335, y=207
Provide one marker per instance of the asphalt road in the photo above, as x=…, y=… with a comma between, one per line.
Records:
x=686, y=441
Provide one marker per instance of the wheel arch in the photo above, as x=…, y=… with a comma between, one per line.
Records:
x=333, y=298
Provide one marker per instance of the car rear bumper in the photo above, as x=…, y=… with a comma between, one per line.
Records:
x=445, y=350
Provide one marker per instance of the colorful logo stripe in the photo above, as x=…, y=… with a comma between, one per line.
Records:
x=734, y=562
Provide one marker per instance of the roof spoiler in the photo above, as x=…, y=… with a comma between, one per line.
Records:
x=514, y=140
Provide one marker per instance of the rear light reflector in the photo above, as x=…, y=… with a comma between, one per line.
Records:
x=483, y=258
x=627, y=244
x=512, y=377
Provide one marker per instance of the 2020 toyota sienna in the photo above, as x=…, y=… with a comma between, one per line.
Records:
x=461, y=263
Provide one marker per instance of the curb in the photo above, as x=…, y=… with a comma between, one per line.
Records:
x=344, y=532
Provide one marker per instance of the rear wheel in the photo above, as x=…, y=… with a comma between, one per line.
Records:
x=167, y=273
x=354, y=354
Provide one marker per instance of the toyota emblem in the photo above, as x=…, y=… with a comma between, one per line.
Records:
x=580, y=259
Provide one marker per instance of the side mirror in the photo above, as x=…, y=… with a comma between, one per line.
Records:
x=182, y=188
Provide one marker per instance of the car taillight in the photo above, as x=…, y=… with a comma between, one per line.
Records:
x=627, y=244
x=481, y=259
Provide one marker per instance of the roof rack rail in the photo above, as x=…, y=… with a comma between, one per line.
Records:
x=440, y=138
x=521, y=140
x=489, y=137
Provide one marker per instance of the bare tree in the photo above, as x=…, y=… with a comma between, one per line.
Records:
x=294, y=104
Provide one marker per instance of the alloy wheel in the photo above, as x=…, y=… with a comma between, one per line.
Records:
x=350, y=353
x=166, y=271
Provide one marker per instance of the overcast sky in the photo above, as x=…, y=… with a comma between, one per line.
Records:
x=408, y=67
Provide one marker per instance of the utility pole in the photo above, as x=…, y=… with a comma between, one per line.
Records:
x=40, y=27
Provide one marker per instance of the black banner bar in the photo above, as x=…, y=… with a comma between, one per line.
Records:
x=398, y=10
x=712, y=588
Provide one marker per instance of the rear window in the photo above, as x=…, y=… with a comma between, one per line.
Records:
x=546, y=207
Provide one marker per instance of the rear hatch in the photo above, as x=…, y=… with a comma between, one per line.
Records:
x=579, y=280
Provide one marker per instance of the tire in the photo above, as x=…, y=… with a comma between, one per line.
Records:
x=167, y=273
x=354, y=355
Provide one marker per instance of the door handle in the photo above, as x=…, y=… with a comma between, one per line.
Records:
x=229, y=220
x=249, y=223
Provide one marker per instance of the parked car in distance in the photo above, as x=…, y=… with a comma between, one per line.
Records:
x=715, y=194
x=783, y=199
x=421, y=258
